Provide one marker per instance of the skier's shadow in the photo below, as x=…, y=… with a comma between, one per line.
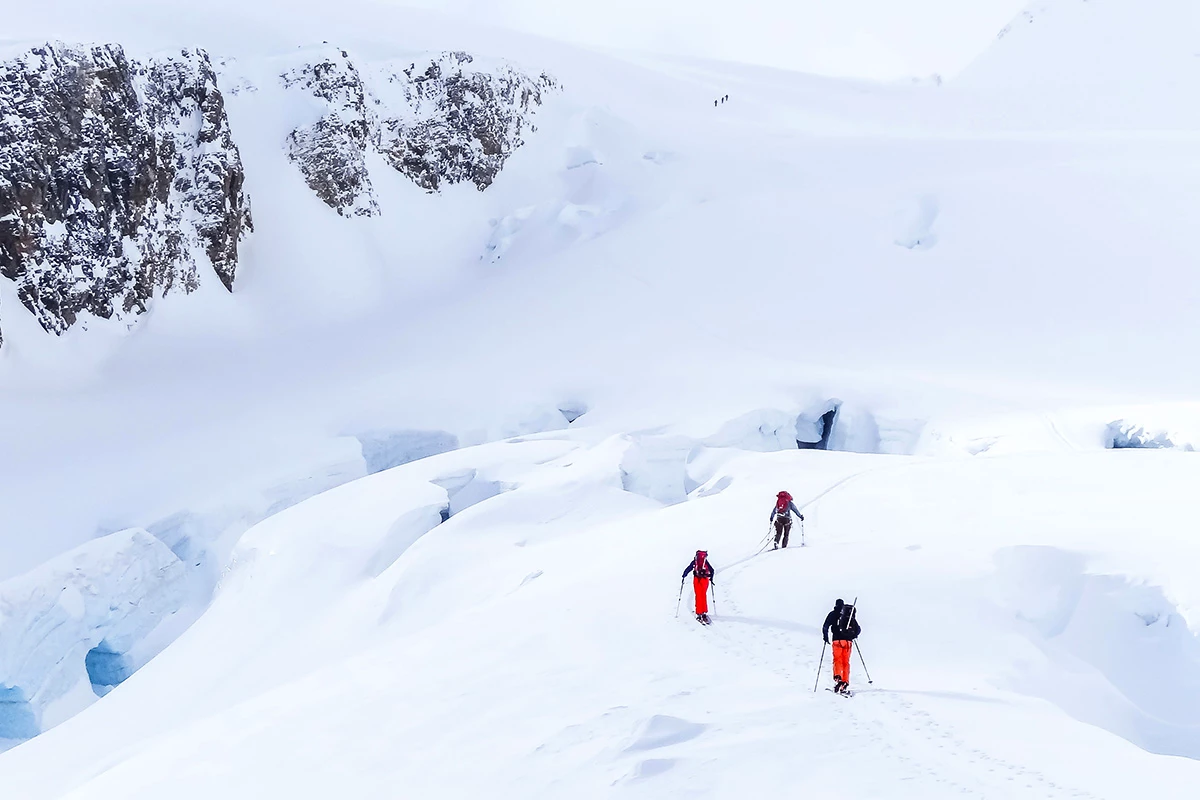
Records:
x=767, y=622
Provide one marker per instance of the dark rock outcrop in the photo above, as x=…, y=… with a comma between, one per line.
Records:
x=447, y=122
x=331, y=152
x=467, y=122
x=118, y=180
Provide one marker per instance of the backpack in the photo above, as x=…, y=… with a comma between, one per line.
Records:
x=782, y=503
x=845, y=618
x=701, y=564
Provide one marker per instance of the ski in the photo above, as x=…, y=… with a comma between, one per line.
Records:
x=704, y=620
x=846, y=693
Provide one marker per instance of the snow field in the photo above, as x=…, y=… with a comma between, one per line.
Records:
x=997, y=267
x=356, y=644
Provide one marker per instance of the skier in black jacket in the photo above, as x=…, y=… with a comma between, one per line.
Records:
x=843, y=623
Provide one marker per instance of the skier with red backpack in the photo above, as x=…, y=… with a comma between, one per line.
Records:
x=703, y=573
x=781, y=515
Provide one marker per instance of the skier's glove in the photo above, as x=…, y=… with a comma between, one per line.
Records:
x=802, y=518
x=826, y=638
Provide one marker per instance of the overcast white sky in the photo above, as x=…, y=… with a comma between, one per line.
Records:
x=882, y=39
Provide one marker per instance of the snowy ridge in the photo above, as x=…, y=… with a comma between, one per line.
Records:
x=1112, y=64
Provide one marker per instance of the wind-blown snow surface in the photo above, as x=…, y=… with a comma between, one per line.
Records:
x=1011, y=608
x=961, y=270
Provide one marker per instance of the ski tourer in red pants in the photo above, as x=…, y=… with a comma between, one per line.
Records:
x=842, y=622
x=702, y=572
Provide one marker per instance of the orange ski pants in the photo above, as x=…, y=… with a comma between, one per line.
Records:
x=841, y=661
x=701, y=587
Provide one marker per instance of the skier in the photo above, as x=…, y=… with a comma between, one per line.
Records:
x=781, y=515
x=703, y=573
x=843, y=622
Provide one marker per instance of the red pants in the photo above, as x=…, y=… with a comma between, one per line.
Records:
x=841, y=661
x=701, y=587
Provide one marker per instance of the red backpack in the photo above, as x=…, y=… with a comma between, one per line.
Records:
x=701, y=563
x=782, y=501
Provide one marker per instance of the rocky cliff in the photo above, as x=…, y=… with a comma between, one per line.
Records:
x=459, y=124
x=441, y=122
x=119, y=180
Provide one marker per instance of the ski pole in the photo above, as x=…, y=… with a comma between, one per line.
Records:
x=820, y=664
x=680, y=600
x=713, y=587
x=802, y=531
x=864, y=663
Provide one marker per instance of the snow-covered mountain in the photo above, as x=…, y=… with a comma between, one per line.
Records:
x=406, y=474
x=122, y=181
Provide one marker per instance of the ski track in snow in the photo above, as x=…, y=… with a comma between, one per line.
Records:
x=877, y=721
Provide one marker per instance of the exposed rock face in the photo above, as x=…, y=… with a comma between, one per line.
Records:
x=118, y=180
x=331, y=153
x=448, y=122
x=462, y=124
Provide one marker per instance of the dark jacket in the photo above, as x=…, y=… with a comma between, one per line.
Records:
x=844, y=625
x=787, y=512
x=709, y=570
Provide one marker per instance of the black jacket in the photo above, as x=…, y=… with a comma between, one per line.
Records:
x=709, y=570
x=844, y=630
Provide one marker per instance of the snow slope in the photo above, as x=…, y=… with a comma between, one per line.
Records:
x=1011, y=608
x=980, y=277
x=1087, y=64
